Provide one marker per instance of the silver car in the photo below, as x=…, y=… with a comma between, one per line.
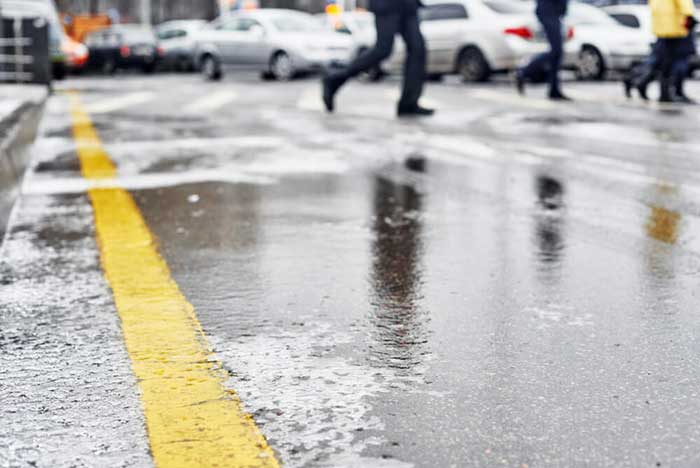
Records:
x=278, y=43
x=603, y=43
x=177, y=39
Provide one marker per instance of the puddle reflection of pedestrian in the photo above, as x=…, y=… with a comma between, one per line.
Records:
x=399, y=329
x=662, y=227
x=663, y=223
x=550, y=196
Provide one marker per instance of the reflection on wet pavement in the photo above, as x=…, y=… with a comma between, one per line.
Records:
x=397, y=313
x=505, y=286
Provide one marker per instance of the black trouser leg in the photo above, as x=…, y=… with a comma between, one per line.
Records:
x=668, y=57
x=550, y=60
x=553, y=31
x=680, y=73
x=387, y=28
x=414, y=66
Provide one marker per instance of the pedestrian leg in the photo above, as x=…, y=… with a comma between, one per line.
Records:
x=387, y=27
x=553, y=30
x=679, y=72
x=414, y=66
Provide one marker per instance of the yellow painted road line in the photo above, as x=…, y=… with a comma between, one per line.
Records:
x=192, y=419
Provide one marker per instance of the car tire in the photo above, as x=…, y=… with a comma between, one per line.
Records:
x=435, y=77
x=211, y=69
x=281, y=67
x=591, y=65
x=472, y=66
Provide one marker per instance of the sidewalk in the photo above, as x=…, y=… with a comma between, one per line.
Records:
x=20, y=110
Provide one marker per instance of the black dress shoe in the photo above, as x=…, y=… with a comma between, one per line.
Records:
x=642, y=90
x=520, y=83
x=683, y=99
x=559, y=96
x=330, y=87
x=628, y=87
x=415, y=111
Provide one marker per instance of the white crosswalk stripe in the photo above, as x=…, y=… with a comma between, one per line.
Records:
x=311, y=99
x=122, y=102
x=212, y=102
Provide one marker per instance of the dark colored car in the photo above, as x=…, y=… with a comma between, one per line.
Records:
x=124, y=46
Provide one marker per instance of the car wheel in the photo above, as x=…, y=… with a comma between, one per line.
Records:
x=281, y=67
x=435, y=77
x=472, y=65
x=590, y=65
x=211, y=68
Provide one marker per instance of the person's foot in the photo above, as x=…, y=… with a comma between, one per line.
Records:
x=642, y=90
x=628, y=87
x=520, y=83
x=415, y=111
x=330, y=87
x=559, y=96
x=666, y=99
x=683, y=99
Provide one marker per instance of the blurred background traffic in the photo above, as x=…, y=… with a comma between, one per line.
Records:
x=287, y=39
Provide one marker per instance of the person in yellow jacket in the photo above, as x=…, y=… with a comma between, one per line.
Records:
x=672, y=22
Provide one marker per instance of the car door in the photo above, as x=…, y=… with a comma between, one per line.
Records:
x=252, y=43
x=443, y=26
x=230, y=40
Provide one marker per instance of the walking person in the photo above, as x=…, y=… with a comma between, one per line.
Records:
x=550, y=14
x=392, y=17
x=673, y=22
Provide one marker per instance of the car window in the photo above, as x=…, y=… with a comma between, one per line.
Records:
x=626, y=19
x=444, y=11
x=229, y=24
x=245, y=24
x=294, y=23
x=510, y=7
x=164, y=34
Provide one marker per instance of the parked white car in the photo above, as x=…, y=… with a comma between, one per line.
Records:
x=177, y=39
x=278, y=43
x=603, y=43
x=477, y=38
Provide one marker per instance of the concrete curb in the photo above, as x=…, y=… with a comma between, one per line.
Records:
x=20, y=111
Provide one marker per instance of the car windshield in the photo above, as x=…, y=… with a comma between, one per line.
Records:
x=510, y=8
x=295, y=23
x=585, y=14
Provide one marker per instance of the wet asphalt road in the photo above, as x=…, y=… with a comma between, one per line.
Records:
x=510, y=283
